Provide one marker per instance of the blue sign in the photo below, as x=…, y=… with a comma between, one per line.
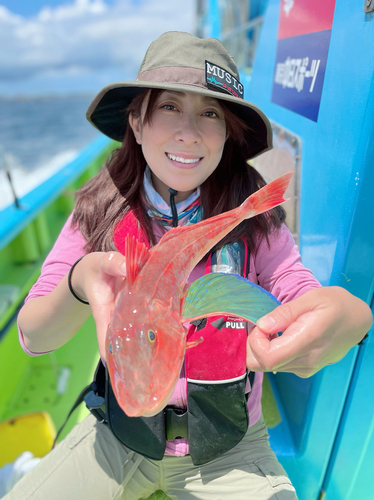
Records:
x=300, y=71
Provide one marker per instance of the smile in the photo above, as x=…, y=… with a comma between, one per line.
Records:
x=182, y=160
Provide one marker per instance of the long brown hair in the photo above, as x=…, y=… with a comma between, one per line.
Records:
x=118, y=187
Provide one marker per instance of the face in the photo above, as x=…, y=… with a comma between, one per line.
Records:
x=183, y=142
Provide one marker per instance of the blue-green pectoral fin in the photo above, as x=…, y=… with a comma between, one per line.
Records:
x=226, y=294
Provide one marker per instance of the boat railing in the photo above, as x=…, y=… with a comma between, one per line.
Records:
x=29, y=226
x=241, y=42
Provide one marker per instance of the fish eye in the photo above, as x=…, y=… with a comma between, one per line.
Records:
x=151, y=336
x=110, y=348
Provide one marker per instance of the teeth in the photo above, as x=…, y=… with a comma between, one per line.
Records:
x=182, y=160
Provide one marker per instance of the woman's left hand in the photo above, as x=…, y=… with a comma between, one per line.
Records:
x=318, y=329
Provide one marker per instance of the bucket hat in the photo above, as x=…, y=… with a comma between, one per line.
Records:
x=182, y=62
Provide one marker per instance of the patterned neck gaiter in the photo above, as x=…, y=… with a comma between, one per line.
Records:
x=189, y=210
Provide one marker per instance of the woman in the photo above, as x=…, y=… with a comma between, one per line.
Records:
x=186, y=135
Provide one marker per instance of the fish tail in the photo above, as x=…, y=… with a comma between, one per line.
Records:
x=267, y=197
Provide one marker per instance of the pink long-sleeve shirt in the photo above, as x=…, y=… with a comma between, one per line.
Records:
x=277, y=268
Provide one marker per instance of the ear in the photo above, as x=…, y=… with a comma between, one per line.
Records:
x=135, y=124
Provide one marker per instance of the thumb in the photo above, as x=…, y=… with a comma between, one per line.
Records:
x=284, y=315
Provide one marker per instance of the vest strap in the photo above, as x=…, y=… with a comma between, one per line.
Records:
x=96, y=405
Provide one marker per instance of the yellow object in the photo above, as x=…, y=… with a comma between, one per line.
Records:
x=33, y=432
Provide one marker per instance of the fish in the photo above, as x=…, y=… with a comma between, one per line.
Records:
x=146, y=340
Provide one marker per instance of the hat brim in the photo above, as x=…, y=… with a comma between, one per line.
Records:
x=107, y=111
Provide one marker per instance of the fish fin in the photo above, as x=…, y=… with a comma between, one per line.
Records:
x=193, y=343
x=136, y=256
x=223, y=294
x=267, y=197
x=185, y=292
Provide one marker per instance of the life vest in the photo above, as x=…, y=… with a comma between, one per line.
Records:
x=217, y=413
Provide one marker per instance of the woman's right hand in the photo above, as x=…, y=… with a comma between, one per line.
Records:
x=98, y=278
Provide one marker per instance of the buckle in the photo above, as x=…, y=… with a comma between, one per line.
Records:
x=176, y=423
x=96, y=405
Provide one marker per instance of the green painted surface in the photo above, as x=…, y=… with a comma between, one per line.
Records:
x=21, y=260
x=270, y=410
x=50, y=382
x=53, y=381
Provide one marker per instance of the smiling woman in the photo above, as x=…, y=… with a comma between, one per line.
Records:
x=185, y=130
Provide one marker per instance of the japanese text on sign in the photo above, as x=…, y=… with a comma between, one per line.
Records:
x=293, y=73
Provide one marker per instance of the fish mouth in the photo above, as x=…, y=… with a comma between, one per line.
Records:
x=149, y=408
x=145, y=413
x=142, y=404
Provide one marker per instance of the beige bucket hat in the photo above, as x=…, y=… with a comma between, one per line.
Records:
x=182, y=62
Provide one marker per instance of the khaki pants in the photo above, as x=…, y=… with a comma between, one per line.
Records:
x=90, y=464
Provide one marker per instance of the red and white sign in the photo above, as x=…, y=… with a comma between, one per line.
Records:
x=299, y=17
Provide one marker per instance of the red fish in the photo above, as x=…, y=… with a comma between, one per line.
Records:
x=146, y=339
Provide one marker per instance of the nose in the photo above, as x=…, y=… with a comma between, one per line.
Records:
x=188, y=131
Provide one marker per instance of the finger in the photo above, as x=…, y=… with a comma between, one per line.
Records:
x=300, y=371
x=285, y=314
x=113, y=263
x=102, y=318
x=266, y=355
x=303, y=367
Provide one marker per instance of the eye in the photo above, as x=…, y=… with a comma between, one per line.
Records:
x=110, y=348
x=211, y=114
x=151, y=336
x=168, y=107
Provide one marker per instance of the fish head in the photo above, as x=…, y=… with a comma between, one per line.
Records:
x=144, y=354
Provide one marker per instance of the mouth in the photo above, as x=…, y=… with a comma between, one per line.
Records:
x=188, y=161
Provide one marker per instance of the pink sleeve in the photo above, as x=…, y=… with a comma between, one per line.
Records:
x=279, y=268
x=68, y=247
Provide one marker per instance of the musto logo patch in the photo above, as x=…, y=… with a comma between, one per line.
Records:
x=220, y=79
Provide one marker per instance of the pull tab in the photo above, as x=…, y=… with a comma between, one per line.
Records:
x=173, y=207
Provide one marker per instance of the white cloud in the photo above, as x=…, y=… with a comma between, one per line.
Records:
x=84, y=37
x=71, y=11
x=7, y=16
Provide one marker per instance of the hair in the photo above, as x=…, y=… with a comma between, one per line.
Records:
x=118, y=187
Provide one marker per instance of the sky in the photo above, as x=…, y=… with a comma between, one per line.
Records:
x=79, y=46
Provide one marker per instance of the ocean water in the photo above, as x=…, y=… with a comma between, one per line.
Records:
x=38, y=136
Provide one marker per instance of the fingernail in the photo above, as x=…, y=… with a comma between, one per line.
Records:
x=266, y=323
